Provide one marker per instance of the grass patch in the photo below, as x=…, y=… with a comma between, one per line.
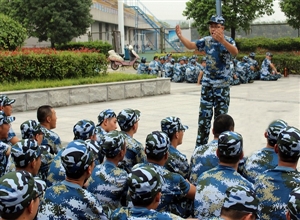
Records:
x=39, y=84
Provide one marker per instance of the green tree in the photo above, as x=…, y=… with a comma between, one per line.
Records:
x=184, y=24
x=12, y=34
x=57, y=21
x=291, y=10
x=238, y=14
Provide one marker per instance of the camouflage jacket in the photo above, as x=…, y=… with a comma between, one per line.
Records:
x=273, y=188
x=53, y=140
x=69, y=201
x=109, y=184
x=211, y=187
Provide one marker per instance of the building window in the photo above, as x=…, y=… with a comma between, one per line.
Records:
x=100, y=31
x=107, y=31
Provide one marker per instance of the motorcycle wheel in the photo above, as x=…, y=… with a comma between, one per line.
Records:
x=135, y=65
x=114, y=66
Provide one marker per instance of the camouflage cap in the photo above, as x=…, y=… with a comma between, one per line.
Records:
x=17, y=190
x=4, y=100
x=269, y=54
x=193, y=61
x=245, y=58
x=127, y=118
x=273, y=130
x=230, y=143
x=157, y=143
x=143, y=183
x=204, y=59
x=112, y=143
x=96, y=148
x=162, y=58
x=289, y=141
x=25, y=151
x=5, y=119
x=293, y=205
x=105, y=114
x=241, y=198
x=84, y=129
x=30, y=128
x=172, y=124
x=252, y=54
x=76, y=156
x=216, y=19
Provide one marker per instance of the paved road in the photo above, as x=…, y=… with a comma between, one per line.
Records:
x=253, y=107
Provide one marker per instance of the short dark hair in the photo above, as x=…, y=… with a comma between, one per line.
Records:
x=157, y=157
x=155, y=57
x=143, y=203
x=223, y=123
x=287, y=158
x=43, y=112
x=230, y=159
x=12, y=215
x=233, y=214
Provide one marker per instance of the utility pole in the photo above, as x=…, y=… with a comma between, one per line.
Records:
x=219, y=7
x=162, y=39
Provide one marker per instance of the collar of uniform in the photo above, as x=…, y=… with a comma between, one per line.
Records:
x=281, y=168
x=268, y=149
x=223, y=167
x=110, y=163
x=72, y=185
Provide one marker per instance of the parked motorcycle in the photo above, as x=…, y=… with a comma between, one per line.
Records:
x=117, y=60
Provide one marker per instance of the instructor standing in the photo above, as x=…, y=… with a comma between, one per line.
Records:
x=215, y=93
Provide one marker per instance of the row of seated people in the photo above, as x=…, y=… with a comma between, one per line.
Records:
x=98, y=165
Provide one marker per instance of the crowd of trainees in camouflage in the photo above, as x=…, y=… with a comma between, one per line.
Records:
x=191, y=70
x=105, y=173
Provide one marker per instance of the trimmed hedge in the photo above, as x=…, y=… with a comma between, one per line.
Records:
x=16, y=66
x=99, y=46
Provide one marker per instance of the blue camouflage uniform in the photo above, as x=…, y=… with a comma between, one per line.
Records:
x=108, y=182
x=204, y=158
x=234, y=81
x=256, y=72
x=179, y=72
x=266, y=70
x=4, y=159
x=174, y=186
x=169, y=68
x=56, y=172
x=265, y=158
x=154, y=65
x=144, y=185
x=293, y=205
x=274, y=186
x=143, y=69
x=192, y=72
x=177, y=162
x=134, y=149
x=215, y=91
x=243, y=71
x=52, y=140
x=67, y=199
x=212, y=184
x=17, y=190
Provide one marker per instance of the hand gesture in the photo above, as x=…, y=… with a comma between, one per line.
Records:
x=178, y=30
x=217, y=33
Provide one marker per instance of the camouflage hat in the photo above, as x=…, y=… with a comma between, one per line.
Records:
x=96, y=148
x=25, y=151
x=157, y=143
x=269, y=54
x=245, y=58
x=162, y=58
x=172, y=61
x=273, y=130
x=4, y=100
x=76, y=156
x=17, y=190
x=289, y=141
x=113, y=143
x=172, y=124
x=5, y=119
x=105, y=114
x=204, y=59
x=30, y=128
x=230, y=143
x=143, y=183
x=252, y=54
x=127, y=118
x=193, y=61
x=293, y=205
x=216, y=19
x=242, y=199
x=84, y=129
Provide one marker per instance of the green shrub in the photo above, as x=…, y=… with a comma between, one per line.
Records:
x=50, y=64
x=12, y=34
x=99, y=46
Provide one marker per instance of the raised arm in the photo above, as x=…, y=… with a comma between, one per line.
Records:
x=187, y=43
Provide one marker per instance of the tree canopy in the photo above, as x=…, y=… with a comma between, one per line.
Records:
x=55, y=20
x=12, y=34
x=238, y=14
x=291, y=10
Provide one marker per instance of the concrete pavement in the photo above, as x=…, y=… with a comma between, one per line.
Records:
x=252, y=106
